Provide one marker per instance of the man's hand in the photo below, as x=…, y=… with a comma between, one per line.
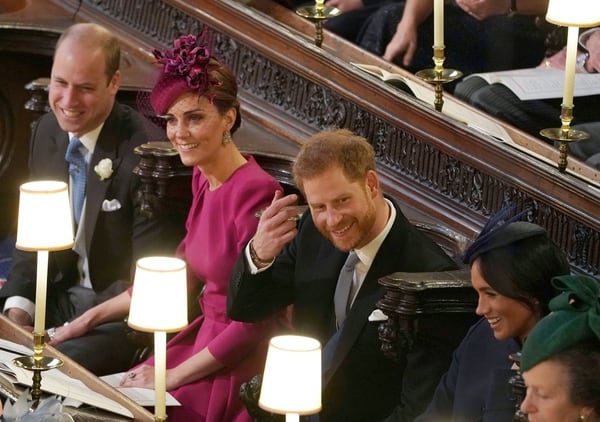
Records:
x=276, y=227
x=20, y=317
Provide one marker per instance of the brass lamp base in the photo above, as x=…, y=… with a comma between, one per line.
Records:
x=318, y=15
x=438, y=76
x=37, y=363
x=564, y=137
x=432, y=76
x=564, y=134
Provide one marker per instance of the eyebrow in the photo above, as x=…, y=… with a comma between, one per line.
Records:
x=185, y=113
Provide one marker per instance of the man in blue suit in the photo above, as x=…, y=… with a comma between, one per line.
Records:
x=285, y=264
x=111, y=232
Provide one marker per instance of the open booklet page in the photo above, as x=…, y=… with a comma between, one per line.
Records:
x=479, y=121
x=542, y=83
x=55, y=382
x=142, y=396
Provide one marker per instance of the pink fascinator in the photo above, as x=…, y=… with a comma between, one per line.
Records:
x=186, y=67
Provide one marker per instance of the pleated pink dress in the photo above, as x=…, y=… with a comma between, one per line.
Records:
x=219, y=224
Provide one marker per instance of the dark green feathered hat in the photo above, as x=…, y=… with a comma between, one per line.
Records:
x=574, y=317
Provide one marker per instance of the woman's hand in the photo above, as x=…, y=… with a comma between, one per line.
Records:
x=114, y=309
x=69, y=330
x=403, y=43
x=593, y=46
x=556, y=61
x=142, y=376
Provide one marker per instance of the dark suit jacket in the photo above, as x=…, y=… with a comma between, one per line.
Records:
x=362, y=385
x=114, y=240
x=476, y=387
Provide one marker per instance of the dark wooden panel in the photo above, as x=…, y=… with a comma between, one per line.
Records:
x=432, y=163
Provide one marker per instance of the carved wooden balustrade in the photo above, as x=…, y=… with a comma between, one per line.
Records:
x=444, y=170
x=434, y=164
x=412, y=298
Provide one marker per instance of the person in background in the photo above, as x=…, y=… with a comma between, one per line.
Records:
x=532, y=116
x=354, y=233
x=209, y=360
x=561, y=356
x=354, y=14
x=511, y=268
x=111, y=230
x=480, y=35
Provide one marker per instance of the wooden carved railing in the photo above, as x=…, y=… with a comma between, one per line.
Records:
x=435, y=164
x=410, y=298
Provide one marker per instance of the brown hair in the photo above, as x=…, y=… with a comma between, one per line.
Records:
x=223, y=91
x=341, y=147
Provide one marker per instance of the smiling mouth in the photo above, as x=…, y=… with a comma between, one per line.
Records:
x=186, y=147
x=493, y=321
x=342, y=231
x=70, y=113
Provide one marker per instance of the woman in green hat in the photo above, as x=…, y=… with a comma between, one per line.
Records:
x=561, y=356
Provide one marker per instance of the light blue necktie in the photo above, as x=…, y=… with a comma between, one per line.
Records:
x=342, y=296
x=78, y=170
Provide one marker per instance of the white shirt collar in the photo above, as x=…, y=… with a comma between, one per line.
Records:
x=367, y=253
x=89, y=139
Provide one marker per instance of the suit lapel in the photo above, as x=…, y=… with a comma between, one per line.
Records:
x=106, y=147
x=370, y=292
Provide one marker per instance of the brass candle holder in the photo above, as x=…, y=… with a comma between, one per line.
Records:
x=37, y=363
x=318, y=13
x=438, y=76
x=564, y=134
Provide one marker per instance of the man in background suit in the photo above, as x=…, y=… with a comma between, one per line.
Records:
x=111, y=233
x=288, y=265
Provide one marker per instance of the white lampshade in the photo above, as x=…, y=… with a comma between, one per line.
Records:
x=292, y=379
x=159, y=296
x=45, y=221
x=581, y=13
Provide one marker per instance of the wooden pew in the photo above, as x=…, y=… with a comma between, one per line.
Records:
x=12, y=332
x=442, y=171
x=439, y=168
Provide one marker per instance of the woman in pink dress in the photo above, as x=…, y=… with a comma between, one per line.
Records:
x=209, y=360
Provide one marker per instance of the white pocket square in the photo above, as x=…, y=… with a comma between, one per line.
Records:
x=378, y=315
x=111, y=205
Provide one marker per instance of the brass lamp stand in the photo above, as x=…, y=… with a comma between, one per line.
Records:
x=318, y=13
x=37, y=363
x=564, y=134
x=45, y=224
x=438, y=76
x=573, y=14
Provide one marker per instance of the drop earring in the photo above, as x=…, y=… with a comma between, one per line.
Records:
x=226, y=137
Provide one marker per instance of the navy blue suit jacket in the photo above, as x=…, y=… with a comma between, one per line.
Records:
x=476, y=386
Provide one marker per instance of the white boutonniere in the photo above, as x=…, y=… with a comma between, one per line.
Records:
x=104, y=168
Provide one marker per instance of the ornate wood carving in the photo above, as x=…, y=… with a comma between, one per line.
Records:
x=410, y=297
x=408, y=157
x=437, y=166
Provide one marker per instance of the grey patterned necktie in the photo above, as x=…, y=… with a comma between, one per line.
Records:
x=78, y=170
x=342, y=296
